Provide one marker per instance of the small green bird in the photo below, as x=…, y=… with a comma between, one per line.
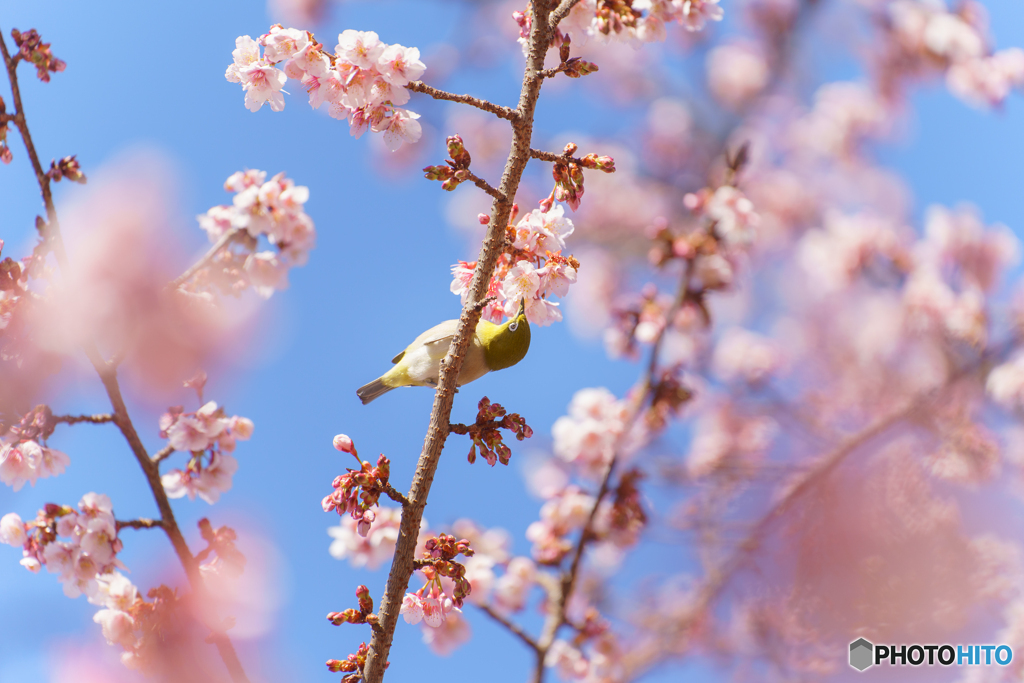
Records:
x=493, y=347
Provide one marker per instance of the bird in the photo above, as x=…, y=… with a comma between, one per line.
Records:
x=493, y=347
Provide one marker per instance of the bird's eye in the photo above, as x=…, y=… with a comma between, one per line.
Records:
x=514, y=326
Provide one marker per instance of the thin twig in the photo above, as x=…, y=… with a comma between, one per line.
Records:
x=554, y=71
x=561, y=12
x=496, y=109
x=163, y=454
x=75, y=419
x=552, y=157
x=206, y=258
x=515, y=628
x=141, y=523
x=484, y=185
x=108, y=375
x=395, y=495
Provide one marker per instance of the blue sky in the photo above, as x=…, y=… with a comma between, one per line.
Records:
x=150, y=75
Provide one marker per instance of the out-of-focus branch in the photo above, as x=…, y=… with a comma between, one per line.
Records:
x=719, y=576
x=222, y=242
x=496, y=109
x=75, y=419
x=557, y=617
x=437, y=432
x=141, y=523
x=513, y=627
x=163, y=454
x=108, y=375
x=560, y=12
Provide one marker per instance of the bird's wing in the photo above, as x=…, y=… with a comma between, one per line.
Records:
x=435, y=340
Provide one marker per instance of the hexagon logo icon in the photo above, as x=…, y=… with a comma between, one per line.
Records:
x=861, y=651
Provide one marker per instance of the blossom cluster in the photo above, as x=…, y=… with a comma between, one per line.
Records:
x=209, y=436
x=375, y=545
x=24, y=456
x=271, y=208
x=926, y=36
x=531, y=268
x=484, y=432
x=357, y=491
x=363, y=81
x=432, y=603
x=85, y=560
x=640, y=21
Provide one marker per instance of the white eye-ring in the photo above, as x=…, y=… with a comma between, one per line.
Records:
x=514, y=326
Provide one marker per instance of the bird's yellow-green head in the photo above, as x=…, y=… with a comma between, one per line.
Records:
x=505, y=344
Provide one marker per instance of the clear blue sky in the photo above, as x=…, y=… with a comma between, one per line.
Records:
x=151, y=74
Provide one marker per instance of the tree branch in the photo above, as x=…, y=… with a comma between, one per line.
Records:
x=141, y=523
x=222, y=242
x=163, y=454
x=496, y=109
x=108, y=375
x=437, y=432
x=75, y=419
x=484, y=185
x=515, y=628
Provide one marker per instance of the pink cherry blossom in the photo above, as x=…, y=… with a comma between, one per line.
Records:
x=118, y=627
x=12, y=530
x=512, y=589
x=587, y=436
x=697, y=12
x=373, y=549
x=744, y=355
x=262, y=84
x=283, y=43
x=522, y=282
x=402, y=126
x=361, y=48
x=246, y=53
x=412, y=608
x=737, y=72
x=1005, y=384
x=213, y=480
x=453, y=632
x=399, y=65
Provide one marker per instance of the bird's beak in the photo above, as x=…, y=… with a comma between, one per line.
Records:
x=522, y=307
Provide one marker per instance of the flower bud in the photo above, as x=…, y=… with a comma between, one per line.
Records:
x=343, y=442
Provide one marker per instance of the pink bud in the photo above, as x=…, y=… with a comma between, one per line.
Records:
x=343, y=442
x=483, y=218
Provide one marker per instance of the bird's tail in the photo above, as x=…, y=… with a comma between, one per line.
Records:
x=368, y=392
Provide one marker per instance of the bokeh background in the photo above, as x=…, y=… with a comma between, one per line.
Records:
x=147, y=78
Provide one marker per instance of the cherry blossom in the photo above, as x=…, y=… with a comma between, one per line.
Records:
x=362, y=82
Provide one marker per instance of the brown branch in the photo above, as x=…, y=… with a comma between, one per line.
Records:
x=484, y=185
x=395, y=495
x=108, y=375
x=513, y=627
x=75, y=419
x=141, y=523
x=496, y=109
x=554, y=71
x=437, y=432
x=552, y=157
x=163, y=454
x=561, y=12
x=206, y=258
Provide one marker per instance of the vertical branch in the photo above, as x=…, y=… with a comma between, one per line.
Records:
x=108, y=376
x=437, y=432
